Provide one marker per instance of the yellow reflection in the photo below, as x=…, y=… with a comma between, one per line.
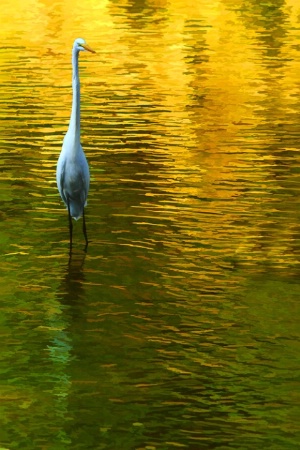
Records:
x=214, y=72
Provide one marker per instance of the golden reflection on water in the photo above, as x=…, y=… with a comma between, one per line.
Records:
x=190, y=121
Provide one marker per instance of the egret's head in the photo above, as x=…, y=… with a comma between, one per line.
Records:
x=81, y=45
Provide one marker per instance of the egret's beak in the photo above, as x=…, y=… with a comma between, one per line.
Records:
x=88, y=48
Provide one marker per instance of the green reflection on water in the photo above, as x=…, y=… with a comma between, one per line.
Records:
x=178, y=328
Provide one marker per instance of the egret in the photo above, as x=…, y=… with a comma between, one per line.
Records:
x=72, y=173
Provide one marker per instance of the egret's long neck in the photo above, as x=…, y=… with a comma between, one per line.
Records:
x=74, y=126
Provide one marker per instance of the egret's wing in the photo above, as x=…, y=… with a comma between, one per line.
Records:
x=85, y=178
x=61, y=180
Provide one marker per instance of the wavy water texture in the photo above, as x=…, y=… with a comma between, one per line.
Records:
x=179, y=326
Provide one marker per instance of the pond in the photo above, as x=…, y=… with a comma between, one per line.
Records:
x=179, y=326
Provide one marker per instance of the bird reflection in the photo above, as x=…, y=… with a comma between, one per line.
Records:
x=72, y=285
x=65, y=321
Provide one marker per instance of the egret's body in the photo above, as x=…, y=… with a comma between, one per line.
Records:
x=72, y=173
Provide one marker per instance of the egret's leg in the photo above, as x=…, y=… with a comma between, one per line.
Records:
x=84, y=230
x=70, y=224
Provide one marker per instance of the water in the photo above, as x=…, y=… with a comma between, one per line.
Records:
x=179, y=326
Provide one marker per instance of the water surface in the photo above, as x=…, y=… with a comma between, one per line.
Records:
x=179, y=328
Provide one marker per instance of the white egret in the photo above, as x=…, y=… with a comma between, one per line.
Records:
x=72, y=173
